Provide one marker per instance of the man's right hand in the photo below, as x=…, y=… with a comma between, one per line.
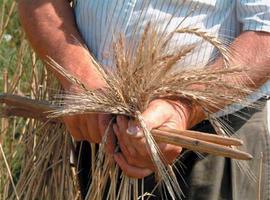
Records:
x=51, y=29
x=91, y=127
x=83, y=127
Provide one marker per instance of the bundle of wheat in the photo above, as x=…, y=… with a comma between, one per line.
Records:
x=145, y=74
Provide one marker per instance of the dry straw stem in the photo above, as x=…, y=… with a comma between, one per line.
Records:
x=9, y=171
x=43, y=148
x=4, y=20
x=148, y=72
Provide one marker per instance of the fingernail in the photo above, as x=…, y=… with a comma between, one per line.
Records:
x=133, y=130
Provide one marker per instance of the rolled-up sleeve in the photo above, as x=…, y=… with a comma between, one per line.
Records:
x=254, y=15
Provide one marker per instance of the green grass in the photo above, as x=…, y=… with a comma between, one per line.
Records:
x=12, y=43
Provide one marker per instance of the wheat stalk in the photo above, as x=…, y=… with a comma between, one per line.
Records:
x=138, y=79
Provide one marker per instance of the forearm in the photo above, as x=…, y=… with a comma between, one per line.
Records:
x=51, y=30
x=250, y=50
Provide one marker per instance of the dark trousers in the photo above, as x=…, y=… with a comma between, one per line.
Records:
x=208, y=177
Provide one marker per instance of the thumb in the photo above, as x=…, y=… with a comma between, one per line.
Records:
x=157, y=113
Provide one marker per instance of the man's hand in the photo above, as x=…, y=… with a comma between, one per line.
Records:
x=51, y=29
x=89, y=127
x=134, y=159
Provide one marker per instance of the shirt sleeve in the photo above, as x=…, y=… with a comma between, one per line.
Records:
x=254, y=15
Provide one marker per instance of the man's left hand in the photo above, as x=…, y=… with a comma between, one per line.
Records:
x=134, y=159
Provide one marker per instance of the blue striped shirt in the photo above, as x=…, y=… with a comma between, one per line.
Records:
x=101, y=21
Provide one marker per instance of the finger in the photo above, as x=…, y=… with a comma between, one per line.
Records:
x=134, y=129
x=92, y=130
x=137, y=139
x=110, y=145
x=120, y=140
x=70, y=124
x=82, y=126
x=122, y=123
x=104, y=122
x=137, y=160
x=131, y=171
x=140, y=146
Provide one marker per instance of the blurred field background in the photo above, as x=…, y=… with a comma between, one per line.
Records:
x=34, y=156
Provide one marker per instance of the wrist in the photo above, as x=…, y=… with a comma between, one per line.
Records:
x=90, y=80
x=88, y=77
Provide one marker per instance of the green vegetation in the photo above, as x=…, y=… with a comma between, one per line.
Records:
x=16, y=59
